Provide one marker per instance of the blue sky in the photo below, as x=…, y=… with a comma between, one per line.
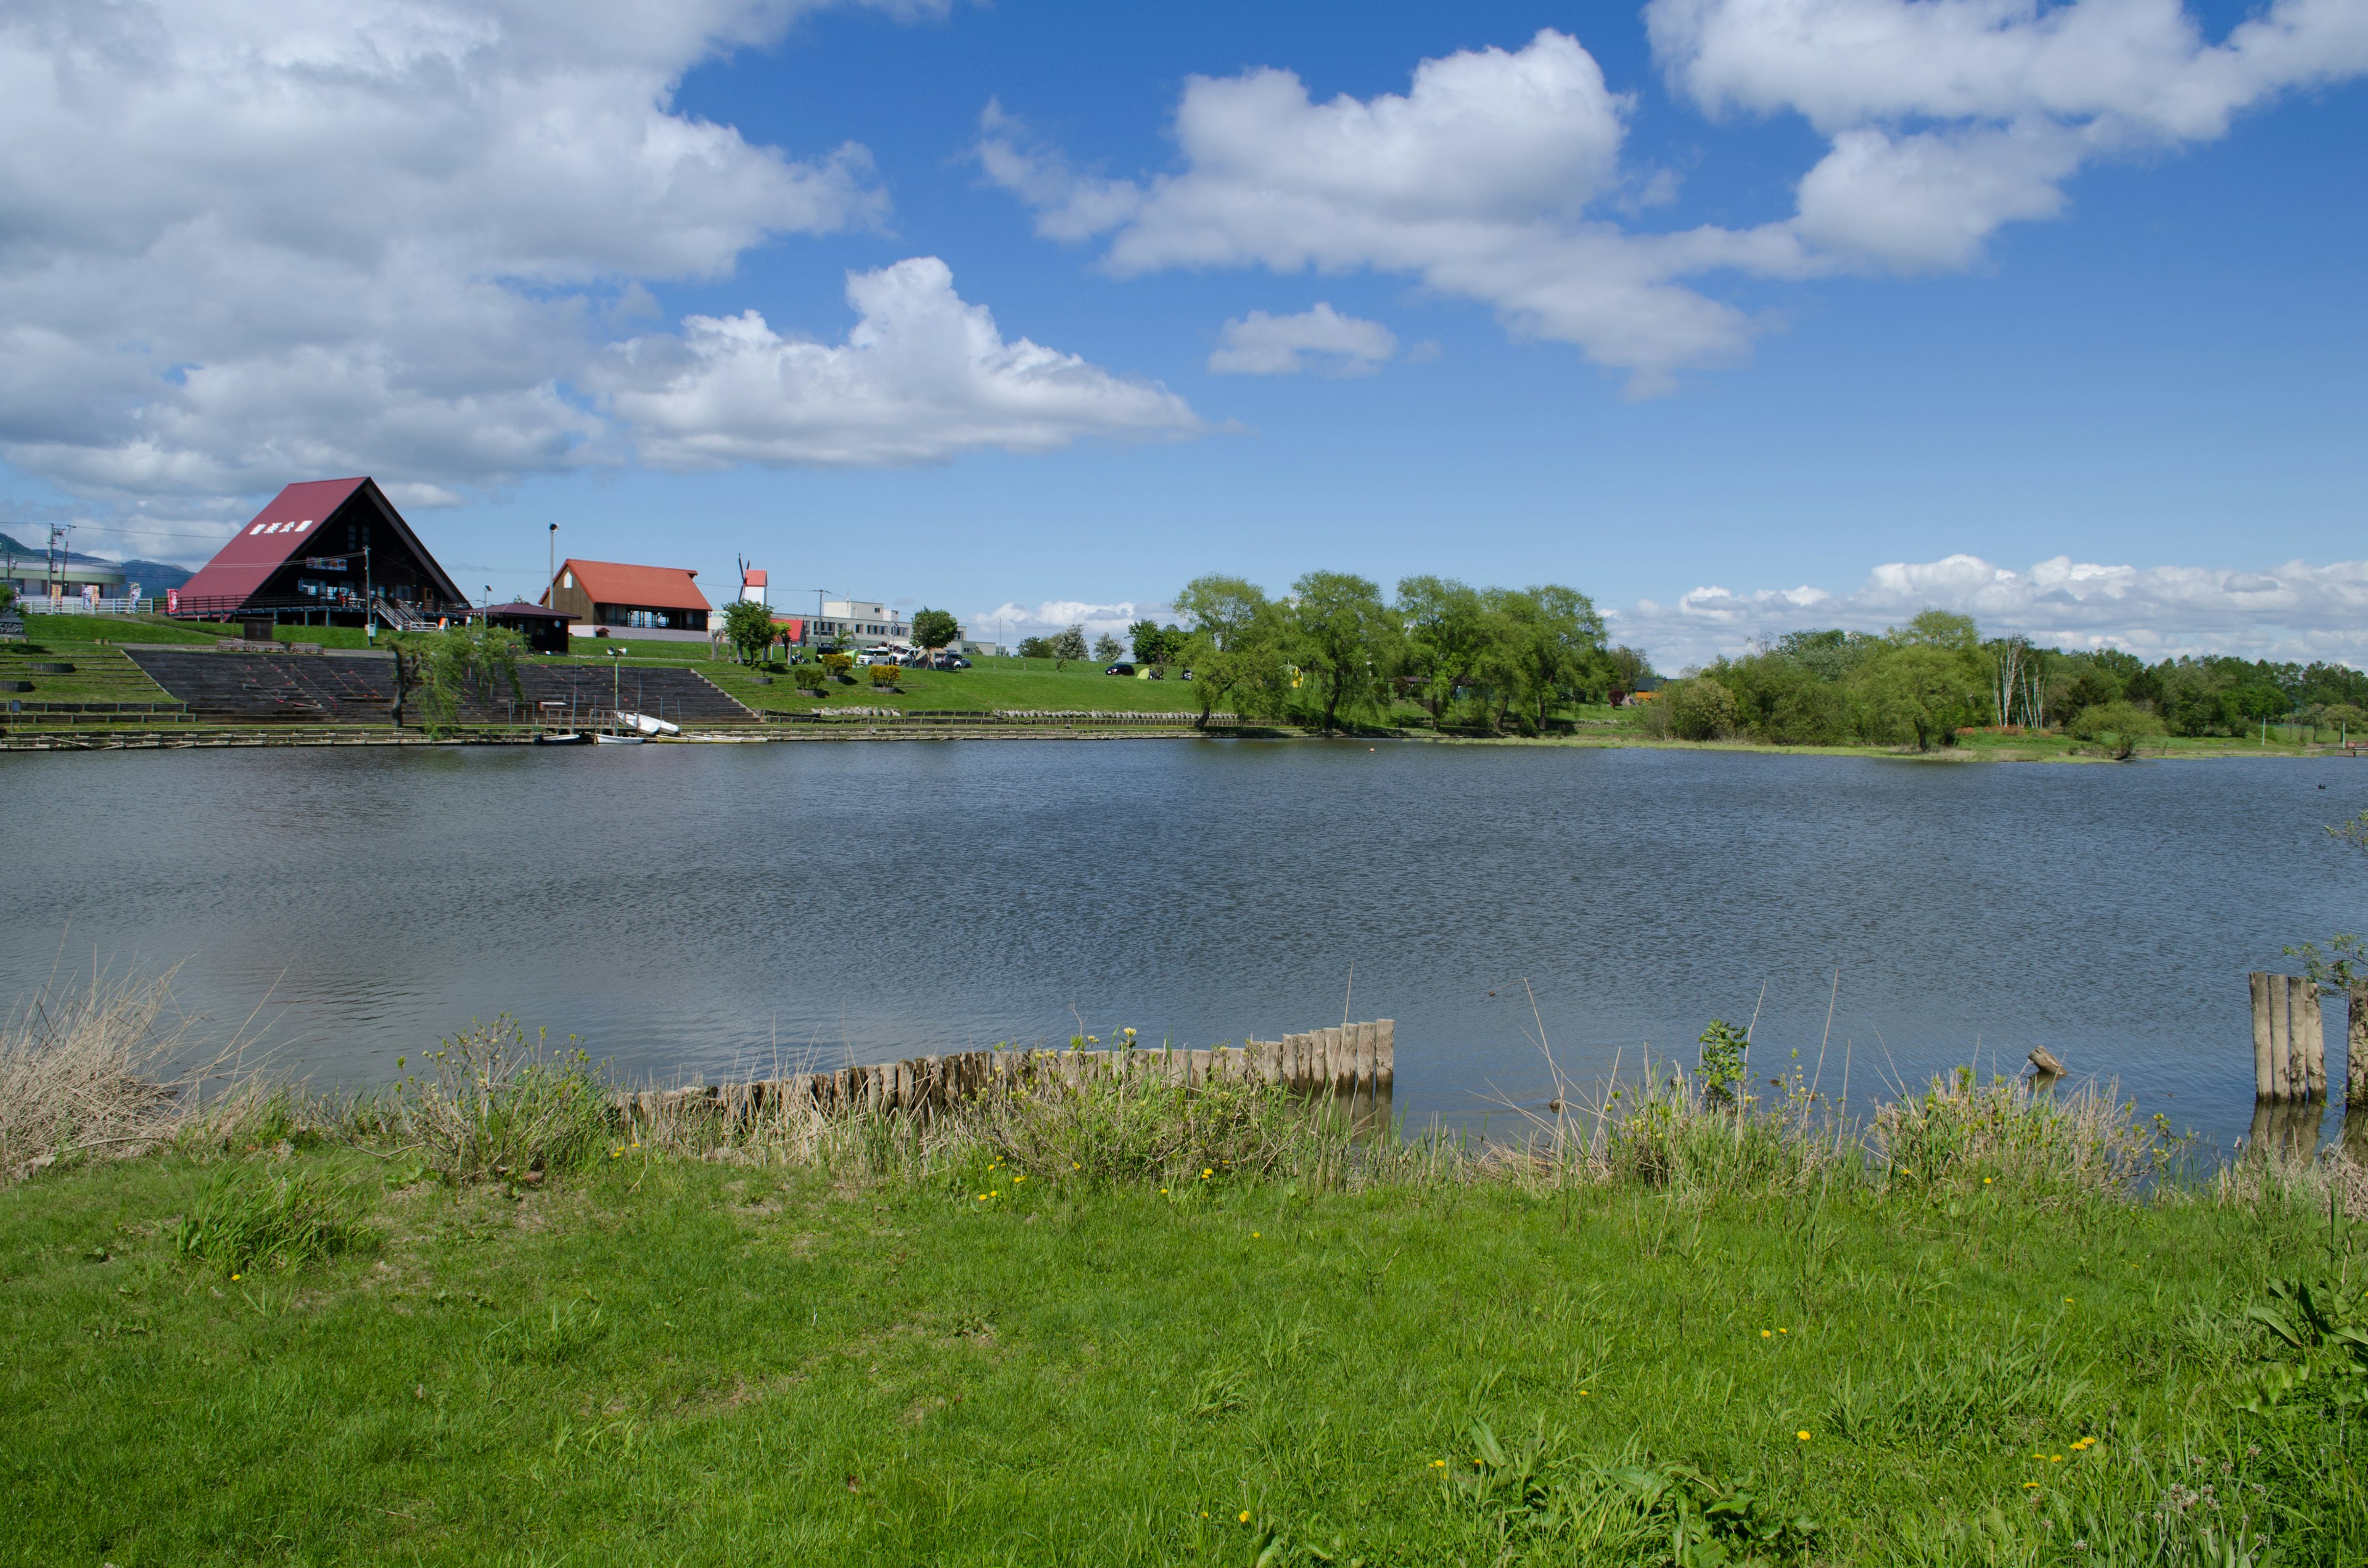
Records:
x=2100, y=307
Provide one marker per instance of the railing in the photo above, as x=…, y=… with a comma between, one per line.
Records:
x=78, y=605
x=420, y=615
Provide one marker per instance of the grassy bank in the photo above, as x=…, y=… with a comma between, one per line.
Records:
x=467, y=1321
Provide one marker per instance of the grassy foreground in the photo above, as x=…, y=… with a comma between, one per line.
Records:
x=475, y=1320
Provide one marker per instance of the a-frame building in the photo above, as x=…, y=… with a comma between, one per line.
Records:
x=328, y=548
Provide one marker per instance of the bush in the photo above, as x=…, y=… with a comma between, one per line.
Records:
x=886, y=678
x=838, y=664
x=493, y=1105
x=1126, y=1127
x=2119, y=726
x=249, y=1216
x=1700, y=708
x=808, y=677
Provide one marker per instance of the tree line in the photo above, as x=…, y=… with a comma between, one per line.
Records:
x=1336, y=650
x=1921, y=684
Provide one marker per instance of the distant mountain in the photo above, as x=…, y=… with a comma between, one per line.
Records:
x=153, y=577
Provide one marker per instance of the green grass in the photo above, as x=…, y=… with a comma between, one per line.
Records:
x=672, y=1360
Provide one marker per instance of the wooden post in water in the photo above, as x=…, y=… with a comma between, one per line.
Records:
x=2355, y=1052
x=2314, y=1044
x=1365, y=1047
x=2281, y=1039
x=1386, y=1056
x=2265, y=1083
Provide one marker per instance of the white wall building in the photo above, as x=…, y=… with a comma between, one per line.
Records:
x=858, y=623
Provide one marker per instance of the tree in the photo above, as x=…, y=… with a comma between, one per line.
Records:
x=1037, y=648
x=1447, y=633
x=1233, y=645
x=1552, y=642
x=1069, y=644
x=1342, y=634
x=933, y=629
x=463, y=661
x=1700, y=708
x=1921, y=691
x=1106, y=648
x=1155, y=644
x=1628, y=669
x=748, y=627
x=2120, y=726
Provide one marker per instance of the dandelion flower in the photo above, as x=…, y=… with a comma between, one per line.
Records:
x=2056, y=1459
x=1582, y=1393
x=1253, y=1235
x=1784, y=1331
x=1986, y=1180
x=2031, y=1484
x=1765, y=1335
x=1246, y=1515
x=1802, y=1435
x=237, y=1277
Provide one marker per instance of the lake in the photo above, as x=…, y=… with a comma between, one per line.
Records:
x=709, y=911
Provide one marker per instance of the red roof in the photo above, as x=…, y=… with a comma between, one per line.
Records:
x=642, y=588
x=270, y=537
x=752, y=577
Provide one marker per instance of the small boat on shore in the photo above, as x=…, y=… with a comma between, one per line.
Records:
x=570, y=739
x=606, y=739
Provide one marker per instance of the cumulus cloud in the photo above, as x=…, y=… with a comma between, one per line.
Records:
x=1950, y=118
x=1261, y=345
x=923, y=376
x=1476, y=180
x=1009, y=622
x=246, y=240
x=2297, y=612
x=1496, y=177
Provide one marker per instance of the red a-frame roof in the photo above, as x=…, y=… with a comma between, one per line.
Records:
x=285, y=527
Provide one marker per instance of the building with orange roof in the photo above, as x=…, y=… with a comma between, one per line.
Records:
x=603, y=597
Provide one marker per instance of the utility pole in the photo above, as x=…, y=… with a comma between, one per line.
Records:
x=370, y=608
x=60, y=535
x=551, y=580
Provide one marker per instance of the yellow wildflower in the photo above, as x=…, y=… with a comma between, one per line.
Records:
x=1802, y=1435
x=1246, y=1515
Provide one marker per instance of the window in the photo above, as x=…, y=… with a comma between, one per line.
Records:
x=567, y=579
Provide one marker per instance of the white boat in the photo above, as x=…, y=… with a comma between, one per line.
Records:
x=649, y=724
x=603, y=738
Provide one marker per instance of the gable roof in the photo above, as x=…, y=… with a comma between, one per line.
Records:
x=752, y=576
x=283, y=528
x=646, y=587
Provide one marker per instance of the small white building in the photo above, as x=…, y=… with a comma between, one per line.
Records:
x=856, y=624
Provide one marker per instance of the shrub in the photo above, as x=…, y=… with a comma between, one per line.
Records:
x=1700, y=708
x=249, y=1216
x=490, y=1105
x=884, y=678
x=1724, y=1050
x=2120, y=726
x=838, y=664
x=808, y=677
x=1119, y=1125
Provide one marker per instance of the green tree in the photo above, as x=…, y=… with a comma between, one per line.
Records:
x=1920, y=692
x=748, y=627
x=1700, y=708
x=1069, y=644
x=1447, y=633
x=2121, y=727
x=1231, y=642
x=1037, y=648
x=1344, y=637
x=461, y=663
x=1106, y=648
x=933, y=629
x=1550, y=643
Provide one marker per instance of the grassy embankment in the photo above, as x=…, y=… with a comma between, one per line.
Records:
x=1008, y=684
x=1096, y=1328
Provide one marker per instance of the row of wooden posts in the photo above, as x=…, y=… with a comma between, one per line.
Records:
x=1355, y=1061
x=2290, y=1041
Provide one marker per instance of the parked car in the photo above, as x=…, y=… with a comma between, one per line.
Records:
x=1120, y=668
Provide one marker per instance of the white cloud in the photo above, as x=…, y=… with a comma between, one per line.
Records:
x=2297, y=612
x=1950, y=118
x=1010, y=621
x=243, y=240
x=923, y=376
x=1489, y=178
x=1475, y=180
x=1261, y=345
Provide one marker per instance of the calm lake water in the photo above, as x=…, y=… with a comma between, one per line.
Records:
x=707, y=911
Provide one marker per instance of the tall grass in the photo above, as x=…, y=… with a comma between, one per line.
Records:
x=488, y=1103
x=97, y=1070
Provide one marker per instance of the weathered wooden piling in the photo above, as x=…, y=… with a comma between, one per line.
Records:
x=2355, y=1050
x=2290, y=1039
